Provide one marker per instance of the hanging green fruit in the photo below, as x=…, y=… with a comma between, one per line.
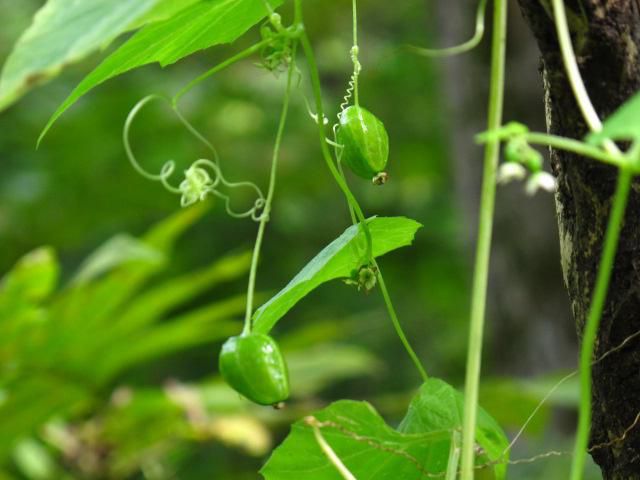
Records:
x=253, y=365
x=365, y=143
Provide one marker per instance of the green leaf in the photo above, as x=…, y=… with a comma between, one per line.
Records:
x=623, y=124
x=198, y=326
x=117, y=251
x=369, y=448
x=177, y=291
x=32, y=279
x=34, y=460
x=163, y=10
x=439, y=406
x=372, y=450
x=337, y=260
x=64, y=32
x=202, y=25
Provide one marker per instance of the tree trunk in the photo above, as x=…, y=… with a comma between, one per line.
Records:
x=606, y=37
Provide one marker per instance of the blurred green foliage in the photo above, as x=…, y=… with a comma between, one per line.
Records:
x=108, y=348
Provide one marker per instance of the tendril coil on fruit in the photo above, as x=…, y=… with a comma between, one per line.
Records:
x=204, y=177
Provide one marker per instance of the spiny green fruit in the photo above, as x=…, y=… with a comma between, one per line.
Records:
x=253, y=366
x=365, y=143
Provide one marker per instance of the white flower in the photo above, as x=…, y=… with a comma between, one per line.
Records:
x=540, y=180
x=510, y=171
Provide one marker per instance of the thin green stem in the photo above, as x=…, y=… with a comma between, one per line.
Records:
x=264, y=218
x=573, y=72
x=603, y=278
x=331, y=455
x=397, y=326
x=470, y=44
x=352, y=214
x=571, y=67
x=221, y=66
x=483, y=249
x=575, y=146
x=354, y=53
x=454, y=456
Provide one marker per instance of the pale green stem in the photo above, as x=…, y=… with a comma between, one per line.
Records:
x=571, y=67
x=264, y=218
x=575, y=146
x=396, y=324
x=483, y=249
x=573, y=72
x=356, y=63
x=328, y=451
x=593, y=320
x=454, y=456
x=470, y=44
x=221, y=66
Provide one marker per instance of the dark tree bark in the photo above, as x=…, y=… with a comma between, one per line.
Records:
x=606, y=35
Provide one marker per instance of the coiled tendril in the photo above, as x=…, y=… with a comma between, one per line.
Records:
x=202, y=178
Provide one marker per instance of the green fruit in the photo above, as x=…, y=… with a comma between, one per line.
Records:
x=253, y=366
x=365, y=143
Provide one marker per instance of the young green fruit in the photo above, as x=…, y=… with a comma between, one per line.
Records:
x=253, y=366
x=365, y=143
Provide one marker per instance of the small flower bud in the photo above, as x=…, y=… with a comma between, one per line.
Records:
x=540, y=181
x=509, y=171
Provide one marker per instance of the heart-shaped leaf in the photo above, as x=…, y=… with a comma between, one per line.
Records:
x=372, y=450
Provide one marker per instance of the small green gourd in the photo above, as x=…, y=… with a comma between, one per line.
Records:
x=365, y=143
x=253, y=365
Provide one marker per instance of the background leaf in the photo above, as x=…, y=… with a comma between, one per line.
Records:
x=200, y=26
x=64, y=32
x=32, y=279
x=336, y=260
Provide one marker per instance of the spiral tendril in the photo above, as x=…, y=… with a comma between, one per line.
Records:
x=202, y=178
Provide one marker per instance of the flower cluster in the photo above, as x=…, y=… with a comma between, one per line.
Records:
x=522, y=160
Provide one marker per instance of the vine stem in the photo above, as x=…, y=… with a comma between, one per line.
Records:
x=454, y=456
x=483, y=249
x=355, y=51
x=396, y=324
x=264, y=218
x=470, y=44
x=354, y=207
x=221, y=66
x=610, y=246
x=328, y=451
x=601, y=288
x=577, y=147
